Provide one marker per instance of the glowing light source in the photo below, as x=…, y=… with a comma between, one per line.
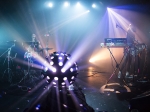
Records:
x=72, y=77
x=71, y=69
x=55, y=78
x=54, y=69
x=52, y=57
x=93, y=5
x=50, y=4
x=45, y=69
x=66, y=4
x=65, y=78
x=60, y=63
x=48, y=77
x=58, y=72
x=60, y=58
x=54, y=83
x=78, y=4
x=63, y=83
x=63, y=70
x=51, y=63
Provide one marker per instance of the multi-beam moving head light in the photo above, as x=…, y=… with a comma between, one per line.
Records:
x=58, y=75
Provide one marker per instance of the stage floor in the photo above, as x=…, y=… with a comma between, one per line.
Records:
x=19, y=94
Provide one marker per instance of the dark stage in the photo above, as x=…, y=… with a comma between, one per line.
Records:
x=80, y=56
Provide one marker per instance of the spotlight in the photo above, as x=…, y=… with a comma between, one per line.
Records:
x=55, y=78
x=54, y=83
x=59, y=61
x=63, y=83
x=54, y=69
x=63, y=70
x=72, y=77
x=52, y=57
x=60, y=58
x=78, y=4
x=71, y=69
x=93, y=5
x=51, y=63
x=66, y=4
x=50, y=4
x=65, y=78
x=45, y=69
x=48, y=77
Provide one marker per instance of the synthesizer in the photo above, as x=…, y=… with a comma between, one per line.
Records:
x=114, y=42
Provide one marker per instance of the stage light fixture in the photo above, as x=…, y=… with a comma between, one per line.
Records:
x=78, y=4
x=51, y=63
x=55, y=78
x=94, y=5
x=52, y=57
x=71, y=69
x=60, y=58
x=54, y=69
x=66, y=4
x=60, y=63
x=58, y=72
x=45, y=69
x=50, y=4
x=65, y=78
x=63, y=70
x=48, y=77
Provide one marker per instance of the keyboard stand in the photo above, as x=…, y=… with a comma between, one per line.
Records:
x=117, y=65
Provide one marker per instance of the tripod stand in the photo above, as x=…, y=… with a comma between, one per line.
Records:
x=28, y=73
x=8, y=71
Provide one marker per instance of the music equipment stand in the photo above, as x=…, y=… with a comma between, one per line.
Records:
x=117, y=65
x=8, y=70
x=27, y=73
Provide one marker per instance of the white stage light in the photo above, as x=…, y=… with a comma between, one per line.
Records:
x=60, y=58
x=63, y=70
x=50, y=4
x=48, y=77
x=52, y=57
x=63, y=83
x=60, y=63
x=55, y=78
x=78, y=4
x=65, y=78
x=51, y=63
x=54, y=69
x=66, y=4
x=71, y=69
x=45, y=69
x=93, y=5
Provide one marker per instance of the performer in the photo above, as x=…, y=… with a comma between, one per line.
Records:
x=127, y=63
x=35, y=45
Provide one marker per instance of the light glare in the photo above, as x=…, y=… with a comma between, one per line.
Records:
x=65, y=78
x=50, y=4
x=93, y=5
x=54, y=69
x=63, y=70
x=66, y=4
x=51, y=63
x=55, y=78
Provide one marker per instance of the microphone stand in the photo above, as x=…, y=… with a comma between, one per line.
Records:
x=8, y=71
